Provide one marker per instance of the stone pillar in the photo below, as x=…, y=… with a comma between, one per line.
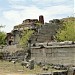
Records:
x=31, y=64
x=29, y=50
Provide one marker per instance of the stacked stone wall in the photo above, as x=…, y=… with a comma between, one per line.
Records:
x=54, y=55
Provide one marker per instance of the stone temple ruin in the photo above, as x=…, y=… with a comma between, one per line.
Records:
x=43, y=47
x=16, y=33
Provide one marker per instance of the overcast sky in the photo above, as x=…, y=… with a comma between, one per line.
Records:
x=13, y=12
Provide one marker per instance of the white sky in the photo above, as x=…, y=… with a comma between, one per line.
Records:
x=13, y=12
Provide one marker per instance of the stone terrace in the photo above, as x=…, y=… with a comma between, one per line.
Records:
x=46, y=33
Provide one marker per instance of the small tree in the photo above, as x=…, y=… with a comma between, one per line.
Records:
x=25, y=37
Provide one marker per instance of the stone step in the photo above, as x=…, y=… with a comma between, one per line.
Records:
x=45, y=32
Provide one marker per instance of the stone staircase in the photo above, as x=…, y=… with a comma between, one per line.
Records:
x=45, y=33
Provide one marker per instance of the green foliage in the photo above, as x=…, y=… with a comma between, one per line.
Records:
x=38, y=24
x=67, y=32
x=25, y=37
x=2, y=38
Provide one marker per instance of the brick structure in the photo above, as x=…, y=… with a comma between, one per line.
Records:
x=41, y=19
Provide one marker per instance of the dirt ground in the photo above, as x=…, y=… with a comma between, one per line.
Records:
x=15, y=74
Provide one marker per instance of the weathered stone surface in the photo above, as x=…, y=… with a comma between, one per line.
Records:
x=54, y=54
x=31, y=64
x=46, y=33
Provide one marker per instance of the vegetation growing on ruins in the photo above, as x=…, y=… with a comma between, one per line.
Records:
x=38, y=24
x=67, y=32
x=27, y=34
x=25, y=37
x=2, y=42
